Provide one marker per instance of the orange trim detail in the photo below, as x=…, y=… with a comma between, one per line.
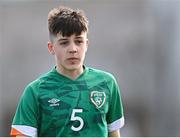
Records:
x=15, y=132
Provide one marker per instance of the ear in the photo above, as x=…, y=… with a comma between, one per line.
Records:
x=51, y=48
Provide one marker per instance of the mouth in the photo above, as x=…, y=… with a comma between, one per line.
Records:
x=72, y=58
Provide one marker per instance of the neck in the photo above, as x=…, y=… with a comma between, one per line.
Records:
x=72, y=74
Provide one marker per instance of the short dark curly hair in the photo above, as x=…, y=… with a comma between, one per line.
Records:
x=66, y=21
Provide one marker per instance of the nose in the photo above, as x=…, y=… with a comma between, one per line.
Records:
x=72, y=48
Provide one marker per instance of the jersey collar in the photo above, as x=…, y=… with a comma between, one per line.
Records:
x=66, y=78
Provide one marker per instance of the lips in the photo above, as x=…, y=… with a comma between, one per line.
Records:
x=72, y=58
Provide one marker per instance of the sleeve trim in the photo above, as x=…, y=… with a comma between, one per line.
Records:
x=116, y=125
x=25, y=130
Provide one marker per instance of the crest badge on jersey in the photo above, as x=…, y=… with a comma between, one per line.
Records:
x=98, y=98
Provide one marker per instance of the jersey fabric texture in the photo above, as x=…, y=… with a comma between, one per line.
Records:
x=56, y=106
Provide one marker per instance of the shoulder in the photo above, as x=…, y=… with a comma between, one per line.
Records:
x=34, y=85
x=101, y=73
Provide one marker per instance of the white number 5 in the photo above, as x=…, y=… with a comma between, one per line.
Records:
x=77, y=118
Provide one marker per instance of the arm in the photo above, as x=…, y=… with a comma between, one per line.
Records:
x=26, y=117
x=115, y=116
x=115, y=133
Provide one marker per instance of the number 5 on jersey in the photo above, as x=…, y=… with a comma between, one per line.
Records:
x=74, y=117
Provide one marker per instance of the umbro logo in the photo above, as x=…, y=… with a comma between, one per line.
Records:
x=54, y=102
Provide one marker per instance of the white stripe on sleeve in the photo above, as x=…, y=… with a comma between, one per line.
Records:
x=116, y=125
x=26, y=130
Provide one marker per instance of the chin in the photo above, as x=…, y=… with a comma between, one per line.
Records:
x=74, y=67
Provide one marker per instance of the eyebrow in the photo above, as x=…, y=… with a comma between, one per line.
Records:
x=65, y=39
x=78, y=37
x=62, y=39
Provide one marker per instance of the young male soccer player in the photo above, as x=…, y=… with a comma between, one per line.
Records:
x=72, y=99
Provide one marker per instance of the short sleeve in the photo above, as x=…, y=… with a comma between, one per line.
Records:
x=115, y=116
x=25, y=121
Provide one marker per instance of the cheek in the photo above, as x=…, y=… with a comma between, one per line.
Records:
x=83, y=52
x=86, y=48
x=59, y=54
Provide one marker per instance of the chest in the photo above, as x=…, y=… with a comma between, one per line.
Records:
x=73, y=107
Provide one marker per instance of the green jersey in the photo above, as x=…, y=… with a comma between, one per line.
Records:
x=56, y=106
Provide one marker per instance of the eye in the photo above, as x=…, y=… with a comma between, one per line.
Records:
x=79, y=42
x=64, y=43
